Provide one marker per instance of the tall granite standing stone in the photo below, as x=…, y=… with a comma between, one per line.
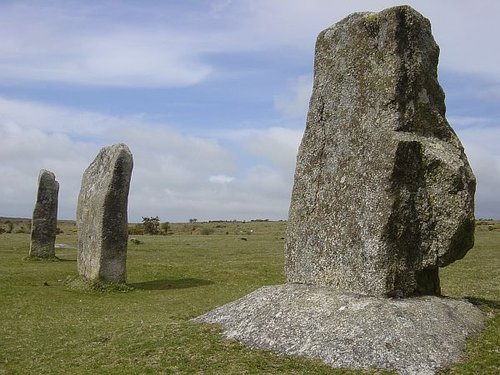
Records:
x=383, y=194
x=44, y=222
x=102, y=216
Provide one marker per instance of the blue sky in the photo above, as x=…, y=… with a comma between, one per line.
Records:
x=210, y=96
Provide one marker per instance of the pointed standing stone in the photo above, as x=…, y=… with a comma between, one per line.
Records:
x=383, y=193
x=102, y=216
x=44, y=222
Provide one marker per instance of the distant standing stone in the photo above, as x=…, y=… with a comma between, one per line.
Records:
x=383, y=193
x=44, y=222
x=102, y=216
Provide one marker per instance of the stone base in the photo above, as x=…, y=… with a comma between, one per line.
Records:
x=411, y=336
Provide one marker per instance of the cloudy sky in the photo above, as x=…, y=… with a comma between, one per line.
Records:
x=210, y=96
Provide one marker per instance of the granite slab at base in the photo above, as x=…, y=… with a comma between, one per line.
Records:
x=412, y=336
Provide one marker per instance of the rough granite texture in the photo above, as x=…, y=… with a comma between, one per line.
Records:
x=102, y=216
x=44, y=221
x=383, y=193
x=411, y=336
x=383, y=196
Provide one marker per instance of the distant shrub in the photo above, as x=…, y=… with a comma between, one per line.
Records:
x=207, y=231
x=189, y=228
x=165, y=227
x=59, y=231
x=10, y=226
x=137, y=229
x=20, y=229
x=151, y=225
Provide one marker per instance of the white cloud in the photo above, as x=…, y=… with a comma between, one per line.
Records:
x=175, y=176
x=178, y=176
x=166, y=44
x=464, y=30
x=487, y=91
x=295, y=103
x=481, y=147
x=274, y=183
x=82, y=44
x=221, y=179
x=470, y=121
x=278, y=145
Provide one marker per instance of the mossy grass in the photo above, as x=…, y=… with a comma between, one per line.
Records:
x=78, y=283
x=29, y=258
x=49, y=326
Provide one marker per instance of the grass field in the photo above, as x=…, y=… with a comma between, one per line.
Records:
x=47, y=327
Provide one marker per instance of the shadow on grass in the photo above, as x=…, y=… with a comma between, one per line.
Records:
x=29, y=258
x=483, y=302
x=166, y=284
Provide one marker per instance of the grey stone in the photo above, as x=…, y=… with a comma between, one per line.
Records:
x=102, y=216
x=383, y=196
x=383, y=193
x=44, y=221
x=411, y=336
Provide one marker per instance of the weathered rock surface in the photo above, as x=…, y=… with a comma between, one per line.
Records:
x=383, y=196
x=44, y=221
x=102, y=216
x=383, y=193
x=412, y=336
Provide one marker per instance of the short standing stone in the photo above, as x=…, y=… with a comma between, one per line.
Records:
x=383, y=193
x=44, y=222
x=102, y=216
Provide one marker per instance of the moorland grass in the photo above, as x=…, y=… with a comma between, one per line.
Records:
x=49, y=326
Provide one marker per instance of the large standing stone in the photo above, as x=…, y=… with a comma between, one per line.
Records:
x=383, y=193
x=44, y=222
x=102, y=216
